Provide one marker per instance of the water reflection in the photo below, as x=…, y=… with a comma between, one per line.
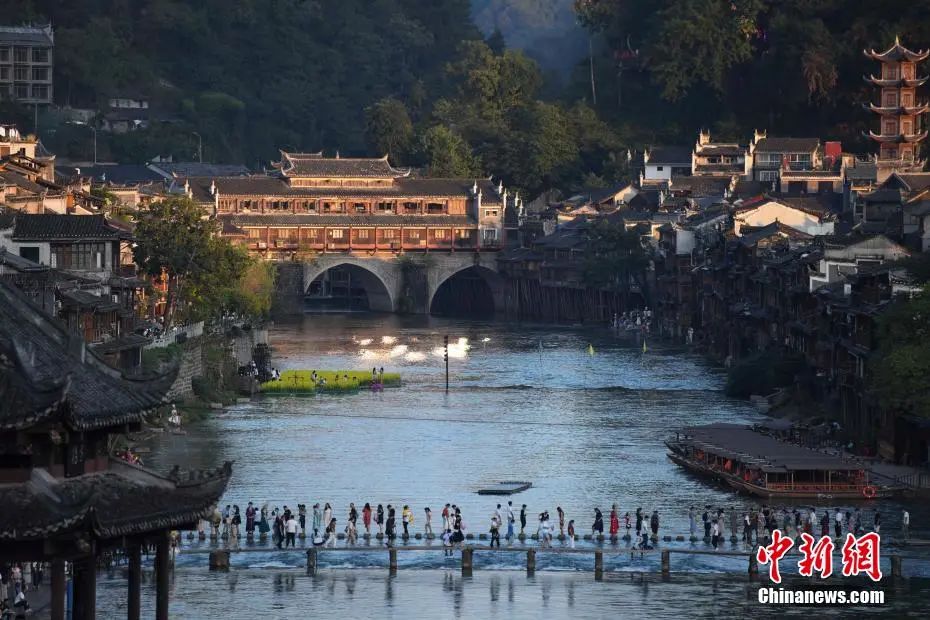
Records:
x=528, y=403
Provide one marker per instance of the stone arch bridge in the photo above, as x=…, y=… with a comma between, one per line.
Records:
x=398, y=283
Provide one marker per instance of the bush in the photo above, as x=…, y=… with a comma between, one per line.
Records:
x=301, y=381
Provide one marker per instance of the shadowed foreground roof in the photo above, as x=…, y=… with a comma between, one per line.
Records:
x=124, y=500
x=47, y=371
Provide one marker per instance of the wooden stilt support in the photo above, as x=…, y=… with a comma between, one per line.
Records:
x=467, y=561
x=162, y=581
x=134, y=603
x=530, y=561
x=311, y=561
x=753, y=567
x=219, y=559
x=392, y=560
x=59, y=587
x=896, y=572
x=666, y=564
x=598, y=565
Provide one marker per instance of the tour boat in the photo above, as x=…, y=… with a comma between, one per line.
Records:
x=754, y=461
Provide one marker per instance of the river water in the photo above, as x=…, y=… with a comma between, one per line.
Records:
x=577, y=411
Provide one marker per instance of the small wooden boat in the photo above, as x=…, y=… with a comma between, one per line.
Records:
x=506, y=487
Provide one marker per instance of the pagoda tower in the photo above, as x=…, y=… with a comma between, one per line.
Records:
x=901, y=127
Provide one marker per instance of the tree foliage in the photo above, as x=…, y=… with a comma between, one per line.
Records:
x=900, y=374
x=206, y=276
x=791, y=66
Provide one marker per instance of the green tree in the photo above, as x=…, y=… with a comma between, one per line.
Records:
x=388, y=128
x=446, y=154
x=173, y=240
x=899, y=372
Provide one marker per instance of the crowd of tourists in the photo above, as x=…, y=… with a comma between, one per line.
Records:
x=507, y=522
x=756, y=525
x=320, y=524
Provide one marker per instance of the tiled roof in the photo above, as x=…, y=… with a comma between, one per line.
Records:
x=787, y=145
x=670, y=155
x=701, y=186
x=310, y=220
x=47, y=372
x=123, y=500
x=260, y=185
x=83, y=299
x=8, y=177
x=720, y=149
x=120, y=174
x=65, y=227
x=197, y=169
x=862, y=171
x=19, y=263
x=317, y=166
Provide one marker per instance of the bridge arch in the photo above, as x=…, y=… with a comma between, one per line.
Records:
x=348, y=275
x=467, y=290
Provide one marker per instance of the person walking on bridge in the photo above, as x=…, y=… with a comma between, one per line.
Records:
x=614, y=522
x=495, y=530
x=522, y=519
x=428, y=525
x=290, y=532
x=691, y=524
x=406, y=516
x=906, y=525
x=598, y=527
x=561, y=514
x=250, y=520
x=366, y=518
x=391, y=526
x=510, y=521
x=330, y=534
x=317, y=519
x=353, y=513
x=654, y=524
x=379, y=519
x=571, y=533
x=327, y=513
x=446, y=522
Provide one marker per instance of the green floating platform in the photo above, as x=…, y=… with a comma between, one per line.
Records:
x=302, y=381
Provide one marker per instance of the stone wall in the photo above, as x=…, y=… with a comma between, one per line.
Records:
x=289, y=290
x=191, y=366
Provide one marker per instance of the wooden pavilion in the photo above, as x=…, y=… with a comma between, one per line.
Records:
x=64, y=498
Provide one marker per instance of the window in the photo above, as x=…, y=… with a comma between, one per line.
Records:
x=413, y=235
x=40, y=54
x=891, y=99
x=363, y=235
x=306, y=206
x=5, y=74
x=767, y=176
x=40, y=91
x=336, y=234
x=333, y=207
x=906, y=126
x=20, y=54
x=411, y=207
x=435, y=208
x=21, y=73
x=78, y=256
x=254, y=233
x=907, y=99
x=21, y=91
x=889, y=128
x=30, y=253
x=40, y=74
x=660, y=168
x=385, y=207
x=4, y=54
x=490, y=213
x=361, y=207
x=489, y=234
x=388, y=233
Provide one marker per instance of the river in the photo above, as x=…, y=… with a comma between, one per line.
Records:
x=577, y=411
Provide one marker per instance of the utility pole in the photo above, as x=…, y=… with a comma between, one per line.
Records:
x=446, y=358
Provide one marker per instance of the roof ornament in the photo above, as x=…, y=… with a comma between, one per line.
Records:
x=474, y=188
x=337, y=154
x=500, y=187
